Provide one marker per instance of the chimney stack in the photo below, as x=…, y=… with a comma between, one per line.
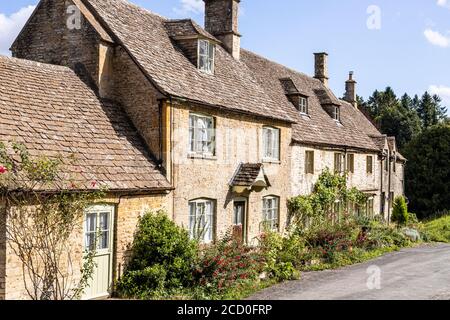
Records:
x=221, y=20
x=350, y=90
x=321, y=67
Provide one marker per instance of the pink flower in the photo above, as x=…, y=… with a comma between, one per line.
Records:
x=3, y=170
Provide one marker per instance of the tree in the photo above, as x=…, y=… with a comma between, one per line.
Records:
x=395, y=117
x=400, y=211
x=39, y=226
x=430, y=110
x=428, y=172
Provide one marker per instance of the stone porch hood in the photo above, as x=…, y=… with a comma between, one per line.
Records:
x=249, y=177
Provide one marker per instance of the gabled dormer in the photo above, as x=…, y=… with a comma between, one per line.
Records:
x=330, y=104
x=196, y=44
x=299, y=99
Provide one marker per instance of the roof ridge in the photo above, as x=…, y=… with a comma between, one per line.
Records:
x=143, y=9
x=279, y=64
x=26, y=62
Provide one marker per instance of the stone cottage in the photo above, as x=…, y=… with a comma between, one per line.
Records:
x=170, y=115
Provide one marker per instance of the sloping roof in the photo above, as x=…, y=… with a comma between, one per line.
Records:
x=380, y=141
x=50, y=110
x=318, y=127
x=247, y=174
x=145, y=36
x=251, y=85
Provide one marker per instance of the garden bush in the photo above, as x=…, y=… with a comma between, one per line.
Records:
x=227, y=265
x=282, y=255
x=400, y=211
x=162, y=258
x=438, y=230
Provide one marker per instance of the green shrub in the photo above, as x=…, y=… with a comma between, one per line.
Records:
x=438, y=230
x=400, y=211
x=282, y=255
x=146, y=283
x=162, y=258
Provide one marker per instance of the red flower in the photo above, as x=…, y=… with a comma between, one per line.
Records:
x=3, y=170
x=94, y=184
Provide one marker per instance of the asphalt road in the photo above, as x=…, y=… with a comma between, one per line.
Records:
x=421, y=273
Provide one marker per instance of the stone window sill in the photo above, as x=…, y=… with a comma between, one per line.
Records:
x=271, y=161
x=201, y=156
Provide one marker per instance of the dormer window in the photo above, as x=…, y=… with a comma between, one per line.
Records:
x=337, y=113
x=206, y=56
x=303, y=104
x=297, y=98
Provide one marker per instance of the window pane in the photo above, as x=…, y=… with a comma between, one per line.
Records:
x=90, y=241
x=211, y=51
x=103, y=240
x=91, y=222
x=203, y=45
x=104, y=221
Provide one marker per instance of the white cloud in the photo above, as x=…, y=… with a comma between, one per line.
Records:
x=443, y=92
x=190, y=6
x=444, y=3
x=10, y=27
x=437, y=39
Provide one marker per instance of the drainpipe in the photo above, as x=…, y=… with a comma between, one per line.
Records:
x=389, y=188
x=172, y=174
x=382, y=186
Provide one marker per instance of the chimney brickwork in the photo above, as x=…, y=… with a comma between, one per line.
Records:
x=321, y=67
x=221, y=20
x=350, y=90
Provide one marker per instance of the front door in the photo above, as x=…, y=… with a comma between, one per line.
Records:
x=98, y=237
x=240, y=221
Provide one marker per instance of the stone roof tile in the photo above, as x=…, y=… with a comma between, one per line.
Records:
x=51, y=111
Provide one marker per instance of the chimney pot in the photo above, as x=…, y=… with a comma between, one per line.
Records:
x=321, y=67
x=222, y=21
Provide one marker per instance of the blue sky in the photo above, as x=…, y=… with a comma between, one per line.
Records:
x=407, y=45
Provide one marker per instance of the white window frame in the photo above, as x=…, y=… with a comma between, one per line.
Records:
x=197, y=216
x=271, y=214
x=202, y=143
x=337, y=113
x=271, y=149
x=208, y=57
x=99, y=233
x=303, y=105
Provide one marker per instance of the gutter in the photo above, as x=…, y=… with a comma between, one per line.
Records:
x=158, y=190
x=219, y=107
x=332, y=146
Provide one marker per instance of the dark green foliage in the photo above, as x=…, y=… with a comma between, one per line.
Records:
x=162, y=258
x=428, y=171
x=430, y=110
x=400, y=211
x=395, y=117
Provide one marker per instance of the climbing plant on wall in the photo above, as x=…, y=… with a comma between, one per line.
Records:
x=317, y=207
